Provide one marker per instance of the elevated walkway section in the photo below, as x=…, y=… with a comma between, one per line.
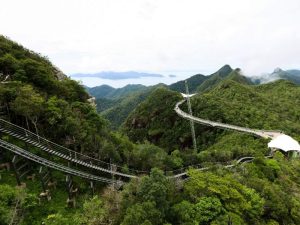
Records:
x=279, y=139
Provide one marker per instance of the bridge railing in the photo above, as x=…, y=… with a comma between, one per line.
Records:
x=54, y=165
x=50, y=146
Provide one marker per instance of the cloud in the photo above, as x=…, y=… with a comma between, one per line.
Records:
x=169, y=35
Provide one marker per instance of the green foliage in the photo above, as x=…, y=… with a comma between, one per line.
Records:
x=93, y=213
x=147, y=156
x=144, y=213
x=12, y=200
x=8, y=198
x=202, y=212
x=57, y=219
x=235, y=197
x=9, y=64
x=233, y=145
x=148, y=200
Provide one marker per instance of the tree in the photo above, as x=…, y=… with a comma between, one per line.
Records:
x=94, y=212
x=8, y=64
x=202, y=212
x=145, y=213
x=235, y=197
x=148, y=200
x=29, y=104
x=15, y=203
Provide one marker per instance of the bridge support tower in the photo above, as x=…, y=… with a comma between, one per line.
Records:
x=191, y=113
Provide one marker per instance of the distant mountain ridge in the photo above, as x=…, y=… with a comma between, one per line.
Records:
x=111, y=75
x=106, y=91
x=290, y=75
x=195, y=81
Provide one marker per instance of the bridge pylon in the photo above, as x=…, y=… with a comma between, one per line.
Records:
x=191, y=113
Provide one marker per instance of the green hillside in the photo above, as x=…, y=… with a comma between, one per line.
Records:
x=34, y=94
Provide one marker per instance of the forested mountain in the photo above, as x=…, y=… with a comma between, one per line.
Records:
x=34, y=94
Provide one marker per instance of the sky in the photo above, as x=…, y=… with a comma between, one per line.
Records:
x=181, y=37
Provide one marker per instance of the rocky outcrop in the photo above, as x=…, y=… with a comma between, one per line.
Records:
x=59, y=74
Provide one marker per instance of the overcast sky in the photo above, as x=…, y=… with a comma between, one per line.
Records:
x=158, y=36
